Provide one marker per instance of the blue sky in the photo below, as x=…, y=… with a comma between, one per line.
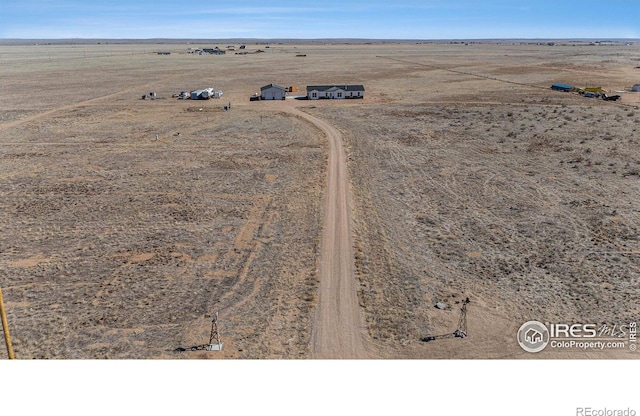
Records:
x=380, y=19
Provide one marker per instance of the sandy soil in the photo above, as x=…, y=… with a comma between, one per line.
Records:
x=338, y=327
x=317, y=229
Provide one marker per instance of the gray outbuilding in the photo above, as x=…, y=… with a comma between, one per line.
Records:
x=273, y=92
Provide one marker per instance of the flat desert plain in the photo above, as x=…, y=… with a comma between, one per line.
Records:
x=316, y=229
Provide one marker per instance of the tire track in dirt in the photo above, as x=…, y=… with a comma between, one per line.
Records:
x=71, y=106
x=338, y=331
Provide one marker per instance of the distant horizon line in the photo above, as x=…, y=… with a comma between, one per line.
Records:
x=320, y=39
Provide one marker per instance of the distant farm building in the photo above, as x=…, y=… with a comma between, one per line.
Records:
x=562, y=87
x=207, y=51
x=338, y=92
x=164, y=53
x=213, y=51
x=273, y=92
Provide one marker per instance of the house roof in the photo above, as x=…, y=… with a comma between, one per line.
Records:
x=266, y=87
x=337, y=87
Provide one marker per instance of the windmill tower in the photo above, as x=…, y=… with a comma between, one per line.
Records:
x=214, y=338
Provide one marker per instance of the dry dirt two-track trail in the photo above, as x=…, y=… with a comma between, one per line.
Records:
x=338, y=330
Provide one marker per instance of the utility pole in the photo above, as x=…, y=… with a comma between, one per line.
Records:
x=5, y=328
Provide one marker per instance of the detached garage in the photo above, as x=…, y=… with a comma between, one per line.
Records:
x=273, y=92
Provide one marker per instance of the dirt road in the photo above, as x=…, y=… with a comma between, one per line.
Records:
x=82, y=103
x=338, y=331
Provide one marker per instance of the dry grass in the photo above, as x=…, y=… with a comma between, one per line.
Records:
x=115, y=245
x=119, y=246
x=516, y=207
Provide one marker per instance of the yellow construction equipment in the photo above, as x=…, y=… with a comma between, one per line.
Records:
x=5, y=328
x=592, y=89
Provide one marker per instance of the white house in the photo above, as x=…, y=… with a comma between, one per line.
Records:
x=337, y=92
x=273, y=92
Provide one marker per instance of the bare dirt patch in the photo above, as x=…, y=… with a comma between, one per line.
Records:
x=522, y=209
x=120, y=246
x=468, y=177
